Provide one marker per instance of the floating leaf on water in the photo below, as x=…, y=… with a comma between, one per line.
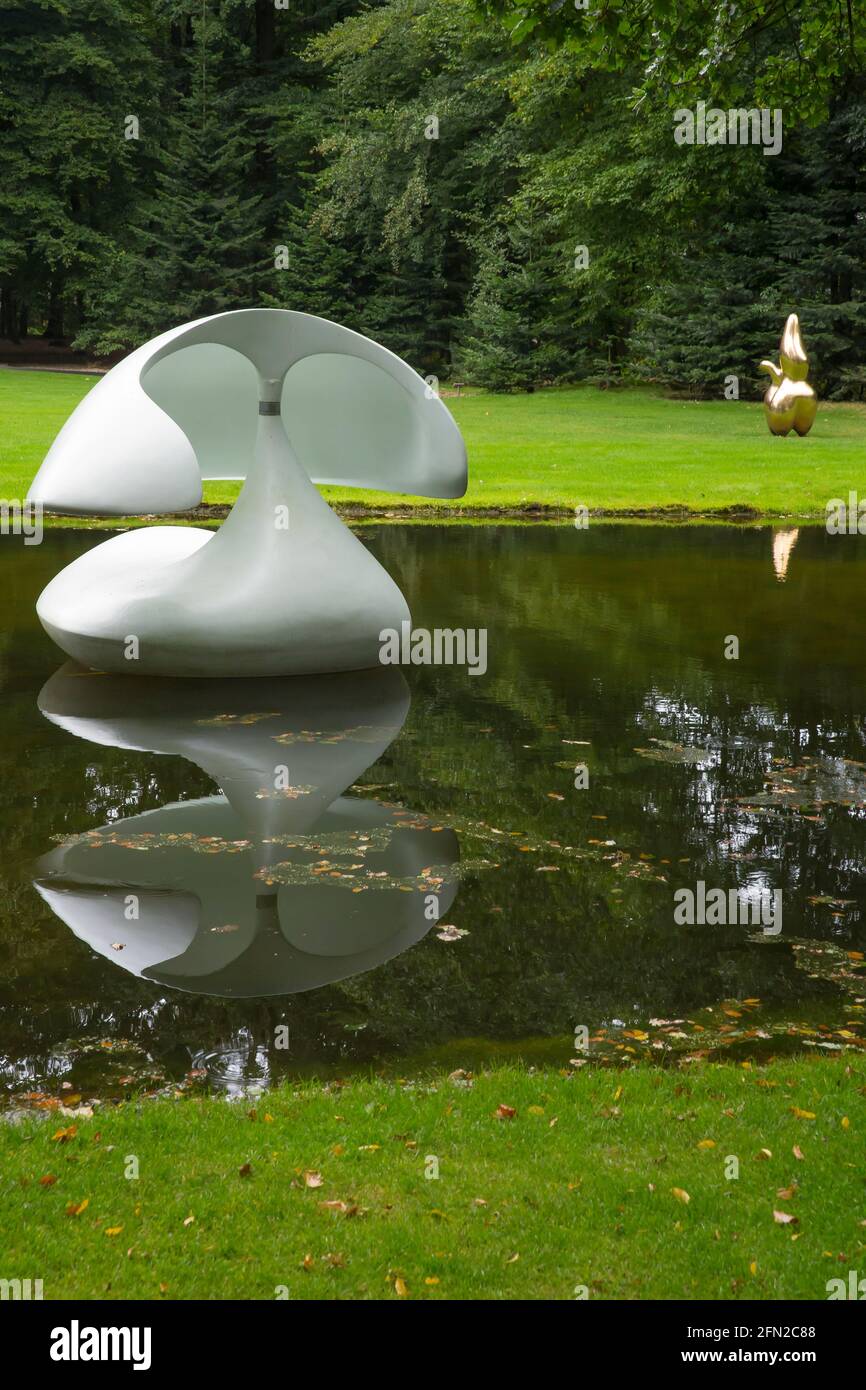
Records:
x=663, y=751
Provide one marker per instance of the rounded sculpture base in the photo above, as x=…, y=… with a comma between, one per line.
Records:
x=173, y=601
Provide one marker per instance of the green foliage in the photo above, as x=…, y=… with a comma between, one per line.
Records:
x=797, y=56
x=68, y=76
x=493, y=190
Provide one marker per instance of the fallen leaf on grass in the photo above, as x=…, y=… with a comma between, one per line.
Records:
x=798, y=1153
x=63, y=1136
x=505, y=1112
x=784, y=1218
x=113, y=1230
x=48, y=1181
x=345, y=1208
x=313, y=1179
x=245, y=1171
x=802, y=1114
x=400, y=1288
x=680, y=1194
x=76, y=1208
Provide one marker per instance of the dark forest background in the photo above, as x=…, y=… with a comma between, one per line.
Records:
x=283, y=159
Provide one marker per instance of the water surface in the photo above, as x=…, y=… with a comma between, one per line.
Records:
x=289, y=933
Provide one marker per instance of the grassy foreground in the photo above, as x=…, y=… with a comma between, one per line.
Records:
x=607, y=450
x=611, y=1181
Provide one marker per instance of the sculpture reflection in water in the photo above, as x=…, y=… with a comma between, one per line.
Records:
x=278, y=884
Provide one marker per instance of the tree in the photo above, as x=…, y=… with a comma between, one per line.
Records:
x=68, y=80
x=793, y=54
x=196, y=248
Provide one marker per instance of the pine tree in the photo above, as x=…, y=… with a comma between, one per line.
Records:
x=521, y=322
x=196, y=248
x=69, y=78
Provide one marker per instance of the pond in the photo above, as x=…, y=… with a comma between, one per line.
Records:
x=456, y=866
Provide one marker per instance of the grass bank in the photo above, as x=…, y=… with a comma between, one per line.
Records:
x=611, y=451
x=547, y=1181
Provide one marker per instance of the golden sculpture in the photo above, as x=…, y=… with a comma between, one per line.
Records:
x=790, y=403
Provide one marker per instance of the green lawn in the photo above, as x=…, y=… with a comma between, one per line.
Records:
x=608, y=450
x=613, y=1181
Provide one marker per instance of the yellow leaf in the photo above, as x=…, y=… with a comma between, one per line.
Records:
x=707, y=1144
x=802, y=1114
x=753, y=1267
x=400, y=1288
x=846, y=1123
x=680, y=1194
x=433, y=1280
x=113, y=1230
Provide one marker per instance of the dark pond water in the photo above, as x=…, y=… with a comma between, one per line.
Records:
x=169, y=908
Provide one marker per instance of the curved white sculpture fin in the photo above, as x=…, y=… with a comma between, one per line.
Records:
x=183, y=407
x=119, y=454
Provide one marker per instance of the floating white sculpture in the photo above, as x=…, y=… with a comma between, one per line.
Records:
x=283, y=588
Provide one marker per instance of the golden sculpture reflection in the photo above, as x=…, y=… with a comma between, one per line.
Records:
x=783, y=544
x=790, y=403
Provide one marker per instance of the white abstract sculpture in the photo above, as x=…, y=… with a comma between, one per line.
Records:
x=231, y=892
x=283, y=400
